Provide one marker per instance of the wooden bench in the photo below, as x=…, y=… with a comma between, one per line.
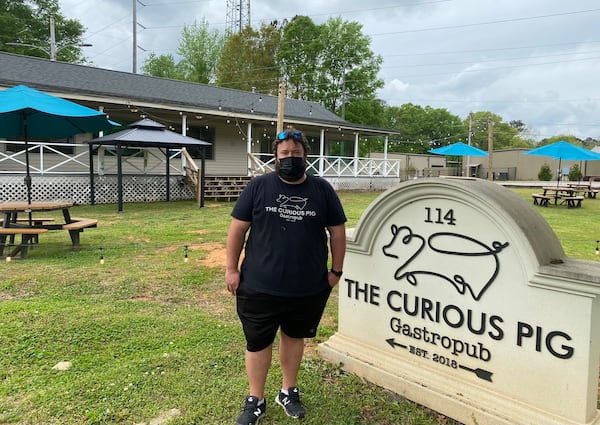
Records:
x=572, y=201
x=29, y=237
x=38, y=221
x=77, y=226
x=541, y=199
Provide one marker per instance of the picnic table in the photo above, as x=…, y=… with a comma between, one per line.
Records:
x=586, y=189
x=21, y=218
x=569, y=196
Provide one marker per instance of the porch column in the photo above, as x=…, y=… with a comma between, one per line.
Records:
x=249, y=147
x=101, y=160
x=91, y=160
x=321, y=152
x=385, y=158
x=101, y=150
x=356, y=154
x=183, y=133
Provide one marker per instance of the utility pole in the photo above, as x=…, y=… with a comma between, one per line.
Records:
x=280, y=106
x=344, y=95
x=134, y=36
x=490, y=126
x=52, y=40
x=54, y=48
x=468, y=171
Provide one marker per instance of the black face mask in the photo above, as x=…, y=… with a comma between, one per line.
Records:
x=291, y=168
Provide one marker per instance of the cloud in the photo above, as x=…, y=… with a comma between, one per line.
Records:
x=533, y=61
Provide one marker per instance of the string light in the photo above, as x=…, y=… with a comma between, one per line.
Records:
x=101, y=255
x=185, y=254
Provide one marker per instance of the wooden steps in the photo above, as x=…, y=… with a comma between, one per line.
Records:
x=224, y=187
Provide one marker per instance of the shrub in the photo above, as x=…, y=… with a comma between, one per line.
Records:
x=545, y=173
x=575, y=173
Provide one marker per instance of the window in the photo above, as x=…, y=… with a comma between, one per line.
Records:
x=205, y=134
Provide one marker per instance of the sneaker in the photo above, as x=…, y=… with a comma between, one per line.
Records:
x=291, y=403
x=252, y=412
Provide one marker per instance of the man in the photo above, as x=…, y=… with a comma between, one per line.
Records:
x=284, y=282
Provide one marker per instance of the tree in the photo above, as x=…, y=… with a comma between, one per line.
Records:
x=423, y=128
x=505, y=135
x=298, y=57
x=518, y=125
x=200, y=49
x=368, y=111
x=248, y=60
x=590, y=143
x=330, y=63
x=27, y=22
x=566, y=137
x=575, y=174
x=349, y=67
x=545, y=173
x=163, y=66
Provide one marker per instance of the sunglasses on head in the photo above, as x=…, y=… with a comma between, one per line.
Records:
x=294, y=135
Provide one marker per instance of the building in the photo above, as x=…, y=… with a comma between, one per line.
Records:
x=240, y=125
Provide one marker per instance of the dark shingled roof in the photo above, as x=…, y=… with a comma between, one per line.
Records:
x=82, y=80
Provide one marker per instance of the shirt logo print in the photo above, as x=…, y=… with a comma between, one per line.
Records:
x=295, y=202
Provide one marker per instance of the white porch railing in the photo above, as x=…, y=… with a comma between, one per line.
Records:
x=13, y=160
x=49, y=159
x=332, y=166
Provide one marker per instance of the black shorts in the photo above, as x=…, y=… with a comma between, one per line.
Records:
x=262, y=314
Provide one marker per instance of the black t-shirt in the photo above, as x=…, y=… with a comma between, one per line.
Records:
x=286, y=251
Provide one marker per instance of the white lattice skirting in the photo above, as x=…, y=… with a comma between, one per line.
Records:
x=136, y=188
x=362, y=183
x=76, y=189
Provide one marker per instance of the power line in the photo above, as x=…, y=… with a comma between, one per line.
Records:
x=475, y=24
x=500, y=60
x=492, y=49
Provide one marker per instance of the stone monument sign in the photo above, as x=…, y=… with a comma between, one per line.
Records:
x=457, y=295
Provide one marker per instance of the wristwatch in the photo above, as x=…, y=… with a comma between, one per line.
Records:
x=338, y=273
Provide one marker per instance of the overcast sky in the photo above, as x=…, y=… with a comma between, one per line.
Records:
x=537, y=61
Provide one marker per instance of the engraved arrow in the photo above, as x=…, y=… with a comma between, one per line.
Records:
x=481, y=373
x=395, y=344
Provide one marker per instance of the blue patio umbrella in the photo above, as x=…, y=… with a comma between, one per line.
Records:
x=459, y=149
x=564, y=150
x=28, y=113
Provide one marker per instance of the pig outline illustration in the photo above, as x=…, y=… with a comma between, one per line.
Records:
x=292, y=202
x=457, y=280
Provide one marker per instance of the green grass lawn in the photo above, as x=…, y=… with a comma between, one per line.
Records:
x=153, y=338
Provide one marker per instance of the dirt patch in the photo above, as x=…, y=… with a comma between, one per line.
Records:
x=210, y=254
x=163, y=417
x=216, y=255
